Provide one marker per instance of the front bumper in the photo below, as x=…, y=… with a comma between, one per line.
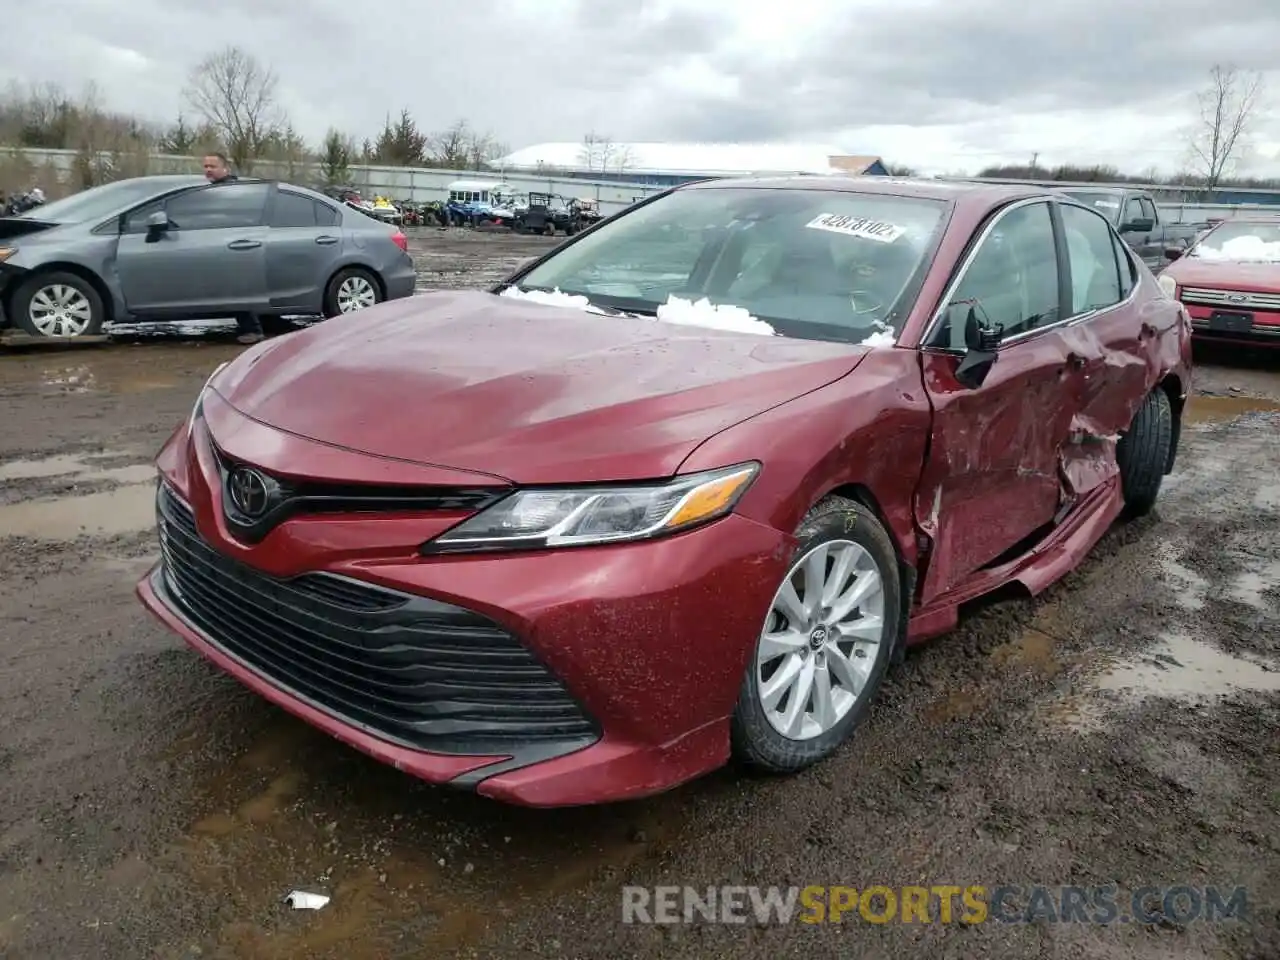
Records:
x=1265, y=330
x=634, y=654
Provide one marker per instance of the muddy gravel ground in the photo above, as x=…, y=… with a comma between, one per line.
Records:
x=1124, y=728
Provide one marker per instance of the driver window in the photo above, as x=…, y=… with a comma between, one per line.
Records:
x=1011, y=281
x=1132, y=210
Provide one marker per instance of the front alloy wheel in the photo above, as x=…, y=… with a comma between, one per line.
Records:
x=825, y=627
x=825, y=644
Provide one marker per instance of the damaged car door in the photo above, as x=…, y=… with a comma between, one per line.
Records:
x=1106, y=329
x=1003, y=381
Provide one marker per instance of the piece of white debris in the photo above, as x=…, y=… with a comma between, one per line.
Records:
x=880, y=338
x=704, y=313
x=553, y=298
x=301, y=900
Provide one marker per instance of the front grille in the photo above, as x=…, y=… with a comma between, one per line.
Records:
x=1223, y=298
x=409, y=669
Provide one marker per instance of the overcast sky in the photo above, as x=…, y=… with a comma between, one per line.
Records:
x=943, y=85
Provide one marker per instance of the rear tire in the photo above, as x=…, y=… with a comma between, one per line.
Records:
x=352, y=289
x=843, y=654
x=58, y=306
x=1143, y=453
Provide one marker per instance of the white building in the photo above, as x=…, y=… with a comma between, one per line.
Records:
x=672, y=163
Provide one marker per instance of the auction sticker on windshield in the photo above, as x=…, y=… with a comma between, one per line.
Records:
x=857, y=227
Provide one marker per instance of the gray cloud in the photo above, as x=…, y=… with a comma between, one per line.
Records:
x=533, y=70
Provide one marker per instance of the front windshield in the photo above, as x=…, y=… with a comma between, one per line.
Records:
x=1105, y=203
x=814, y=264
x=1240, y=242
x=96, y=203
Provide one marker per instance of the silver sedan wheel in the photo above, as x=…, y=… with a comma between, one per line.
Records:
x=356, y=293
x=59, y=310
x=821, y=639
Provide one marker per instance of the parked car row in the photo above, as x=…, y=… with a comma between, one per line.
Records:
x=790, y=424
x=169, y=248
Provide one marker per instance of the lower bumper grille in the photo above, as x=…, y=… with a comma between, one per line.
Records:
x=410, y=669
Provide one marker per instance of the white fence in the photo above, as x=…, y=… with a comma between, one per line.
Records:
x=426, y=184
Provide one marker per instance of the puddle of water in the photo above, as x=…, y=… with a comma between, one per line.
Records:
x=82, y=467
x=955, y=706
x=1183, y=668
x=1033, y=650
x=1190, y=588
x=1217, y=409
x=127, y=509
x=1267, y=497
x=1250, y=585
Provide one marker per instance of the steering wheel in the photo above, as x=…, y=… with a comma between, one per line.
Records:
x=864, y=301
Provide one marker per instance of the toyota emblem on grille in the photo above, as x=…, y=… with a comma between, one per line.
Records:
x=249, y=492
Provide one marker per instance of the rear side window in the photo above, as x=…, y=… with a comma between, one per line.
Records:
x=293, y=210
x=1095, y=277
x=326, y=216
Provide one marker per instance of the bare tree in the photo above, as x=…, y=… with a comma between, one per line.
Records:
x=624, y=158
x=235, y=94
x=451, y=148
x=1227, y=108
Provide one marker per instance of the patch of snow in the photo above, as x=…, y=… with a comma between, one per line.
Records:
x=704, y=313
x=552, y=299
x=881, y=338
x=1243, y=248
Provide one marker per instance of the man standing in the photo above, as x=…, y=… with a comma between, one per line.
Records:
x=217, y=169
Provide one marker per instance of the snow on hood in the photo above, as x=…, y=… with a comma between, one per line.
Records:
x=1242, y=248
x=687, y=313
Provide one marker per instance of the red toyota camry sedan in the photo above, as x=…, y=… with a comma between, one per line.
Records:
x=678, y=492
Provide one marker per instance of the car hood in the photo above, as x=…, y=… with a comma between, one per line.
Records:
x=522, y=391
x=1226, y=275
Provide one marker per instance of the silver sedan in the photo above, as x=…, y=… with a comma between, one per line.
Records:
x=171, y=248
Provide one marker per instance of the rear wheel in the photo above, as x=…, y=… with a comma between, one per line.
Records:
x=59, y=305
x=351, y=289
x=825, y=644
x=1143, y=453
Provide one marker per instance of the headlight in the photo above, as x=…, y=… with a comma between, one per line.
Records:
x=1168, y=285
x=580, y=516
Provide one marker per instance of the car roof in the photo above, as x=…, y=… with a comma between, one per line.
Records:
x=918, y=187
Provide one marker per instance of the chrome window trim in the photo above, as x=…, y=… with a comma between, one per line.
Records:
x=936, y=320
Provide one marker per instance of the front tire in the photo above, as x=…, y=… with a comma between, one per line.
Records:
x=351, y=290
x=58, y=306
x=825, y=644
x=1143, y=453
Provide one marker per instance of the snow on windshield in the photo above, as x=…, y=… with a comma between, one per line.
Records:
x=690, y=313
x=1248, y=247
x=704, y=313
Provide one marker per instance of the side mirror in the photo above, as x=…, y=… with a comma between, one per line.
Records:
x=1173, y=253
x=1140, y=225
x=157, y=224
x=982, y=342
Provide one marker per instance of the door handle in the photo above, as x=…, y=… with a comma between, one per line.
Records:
x=326, y=241
x=244, y=244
